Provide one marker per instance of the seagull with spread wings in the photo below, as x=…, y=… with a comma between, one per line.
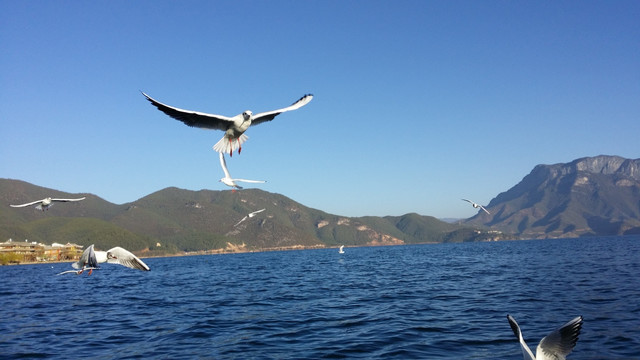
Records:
x=477, y=206
x=91, y=259
x=555, y=346
x=248, y=216
x=234, y=127
x=227, y=180
x=45, y=203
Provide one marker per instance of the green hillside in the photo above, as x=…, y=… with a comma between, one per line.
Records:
x=175, y=220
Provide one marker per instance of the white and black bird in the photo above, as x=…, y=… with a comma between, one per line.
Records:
x=91, y=259
x=555, y=346
x=341, y=251
x=249, y=215
x=228, y=180
x=477, y=206
x=234, y=127
x=46, y=203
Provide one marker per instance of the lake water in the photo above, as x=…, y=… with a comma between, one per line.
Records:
x=445, y=301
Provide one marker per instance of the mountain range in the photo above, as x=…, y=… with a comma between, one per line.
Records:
x=589, y=196
x=174, y=220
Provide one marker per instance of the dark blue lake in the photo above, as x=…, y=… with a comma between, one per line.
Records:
x=446, y=301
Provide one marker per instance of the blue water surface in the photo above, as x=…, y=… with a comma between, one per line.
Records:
x=444, y=301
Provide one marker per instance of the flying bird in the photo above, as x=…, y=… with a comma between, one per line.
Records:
x=250, y=215
x=45, y=203
x=555, y=346
x=477, y=206
x=227, y=180
x=91, y=259
x=341, y=251
x=234, y=127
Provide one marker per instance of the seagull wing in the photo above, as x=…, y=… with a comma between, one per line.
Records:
x=68, y=272
x=269, y=115
x=66, y=200
x=88, y=258
x=77, y=271
x=239, y=222
x=27, y=204
x=193, y=118
x=469, y=201
x=250, y=181
x=126, y=258
x=223, y=163
x=256, y=212
x=485, y=210
x=560, y=342
x=526, y=352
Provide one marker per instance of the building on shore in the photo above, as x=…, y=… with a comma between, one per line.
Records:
x=16, y=252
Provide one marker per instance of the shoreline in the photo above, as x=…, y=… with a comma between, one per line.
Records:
x=233, y=250
x=238, y=250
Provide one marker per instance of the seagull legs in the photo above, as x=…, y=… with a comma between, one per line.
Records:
x=83, y=269
x=231, y=146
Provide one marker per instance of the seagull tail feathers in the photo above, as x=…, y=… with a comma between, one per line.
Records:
x=42, y=207
x=225, y=146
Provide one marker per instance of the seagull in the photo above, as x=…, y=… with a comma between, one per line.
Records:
x=341, y=249
x=250, y=215
x=91, y=258
x=45, y=203
x=234, y=127
x=477, y=206
x=555, y=346
x=227, y=180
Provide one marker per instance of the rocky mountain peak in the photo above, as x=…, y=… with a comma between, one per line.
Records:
x=602, y=164
x=589, y=196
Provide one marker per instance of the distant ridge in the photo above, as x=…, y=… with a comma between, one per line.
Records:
x=589, y=196
x=174, y=220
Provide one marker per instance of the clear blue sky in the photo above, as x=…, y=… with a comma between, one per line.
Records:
x=417, y=103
